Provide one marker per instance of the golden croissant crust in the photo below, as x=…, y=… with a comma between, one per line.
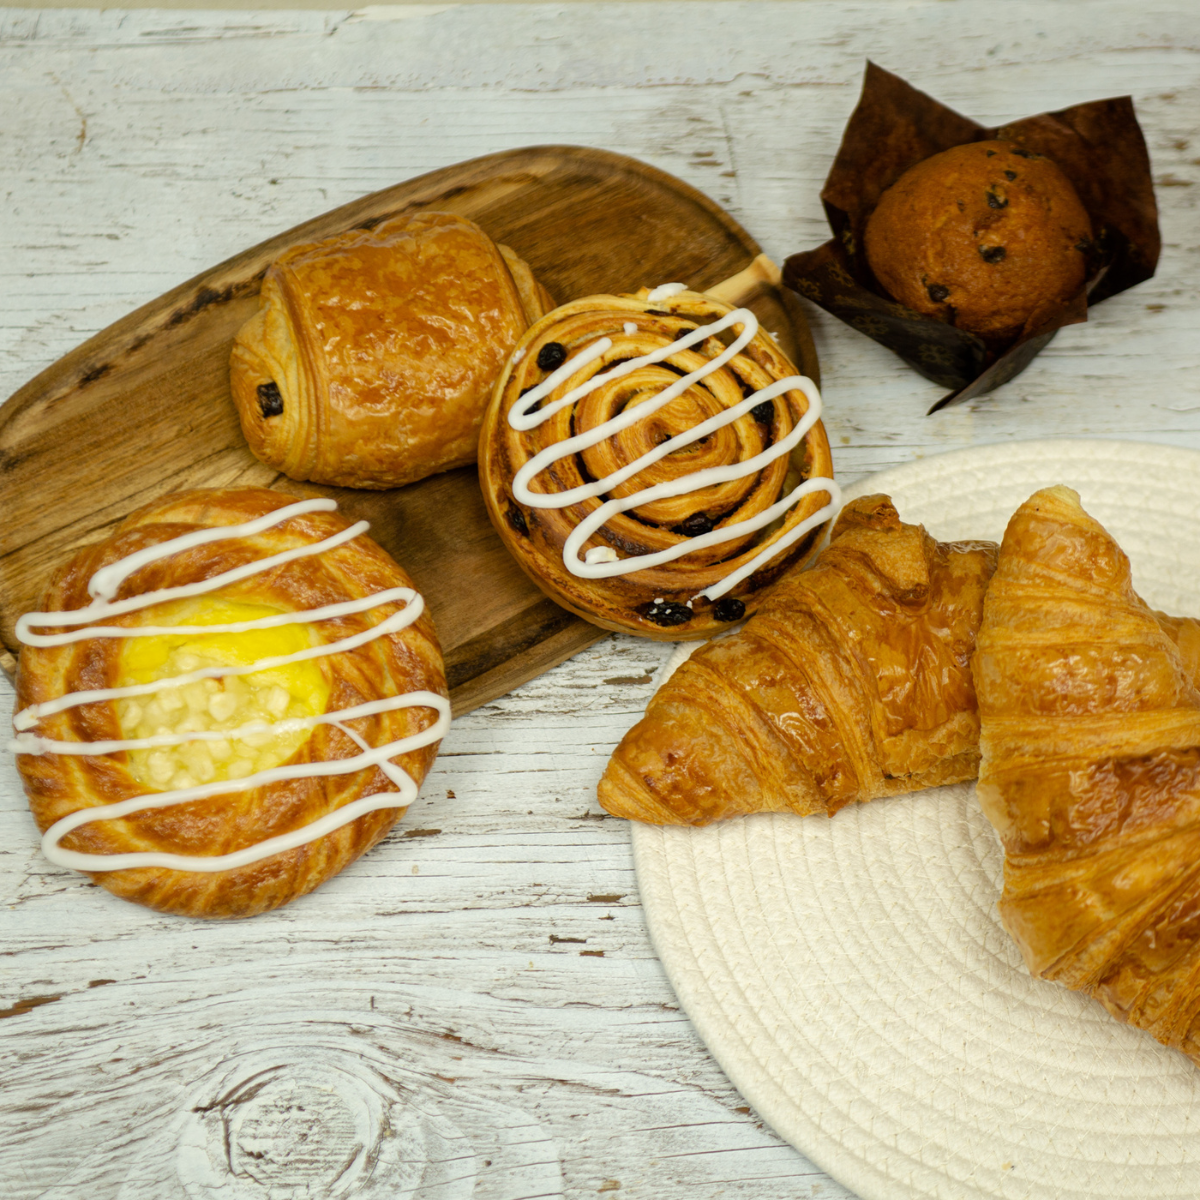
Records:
x=852, y=682
x=373, y=353
x=392, y=664
x=630, y=350
x=1091, y=770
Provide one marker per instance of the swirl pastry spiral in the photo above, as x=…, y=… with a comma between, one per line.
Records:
x=244, y=697
x=654, y=462
x=1090, y=773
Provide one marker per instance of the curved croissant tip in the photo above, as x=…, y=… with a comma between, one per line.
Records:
x=868, y=512
x=1059, y=503
x=1060, y=494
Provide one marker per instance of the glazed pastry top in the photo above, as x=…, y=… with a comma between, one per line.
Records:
x=224, y=638
x=373, y=353
x=851, y=682
x=1090, y=732
x=654, y=462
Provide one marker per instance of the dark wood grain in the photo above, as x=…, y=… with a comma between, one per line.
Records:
x=143, y=408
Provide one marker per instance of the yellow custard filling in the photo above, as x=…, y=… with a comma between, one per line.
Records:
x=293, y=690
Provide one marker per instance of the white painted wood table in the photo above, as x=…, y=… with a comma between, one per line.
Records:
x=475, y=1008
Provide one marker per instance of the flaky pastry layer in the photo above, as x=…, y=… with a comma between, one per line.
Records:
x=373, y=353
x=390, y=665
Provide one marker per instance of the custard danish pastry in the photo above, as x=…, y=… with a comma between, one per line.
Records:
x=225, y=702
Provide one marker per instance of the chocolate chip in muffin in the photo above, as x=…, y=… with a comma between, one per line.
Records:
x=952, y=218
x=551, y=356
x=270, y=400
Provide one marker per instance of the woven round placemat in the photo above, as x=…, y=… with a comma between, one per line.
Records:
x=851, y=975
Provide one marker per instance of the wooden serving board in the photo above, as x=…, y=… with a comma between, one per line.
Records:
x=143, y=408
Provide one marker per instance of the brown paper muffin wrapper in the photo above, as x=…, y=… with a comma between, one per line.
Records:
x=1098, y=146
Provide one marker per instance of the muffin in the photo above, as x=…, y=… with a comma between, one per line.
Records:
x=983, y=236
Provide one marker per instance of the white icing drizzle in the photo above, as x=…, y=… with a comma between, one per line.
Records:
x=665, y=291
x=630, y=327
x=594, y=566
x=104, y=585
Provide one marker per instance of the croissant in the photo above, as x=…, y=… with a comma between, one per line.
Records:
x=852, y=682
x=654, y=463
x=1090, y=736
x=245, y=696
x=373, y=353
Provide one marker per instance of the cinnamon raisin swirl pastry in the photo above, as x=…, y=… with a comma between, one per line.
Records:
x=225, y=702
x=654, y=462
x=373, y=353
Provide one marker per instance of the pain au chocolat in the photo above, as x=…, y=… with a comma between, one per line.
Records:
x=373, y=353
